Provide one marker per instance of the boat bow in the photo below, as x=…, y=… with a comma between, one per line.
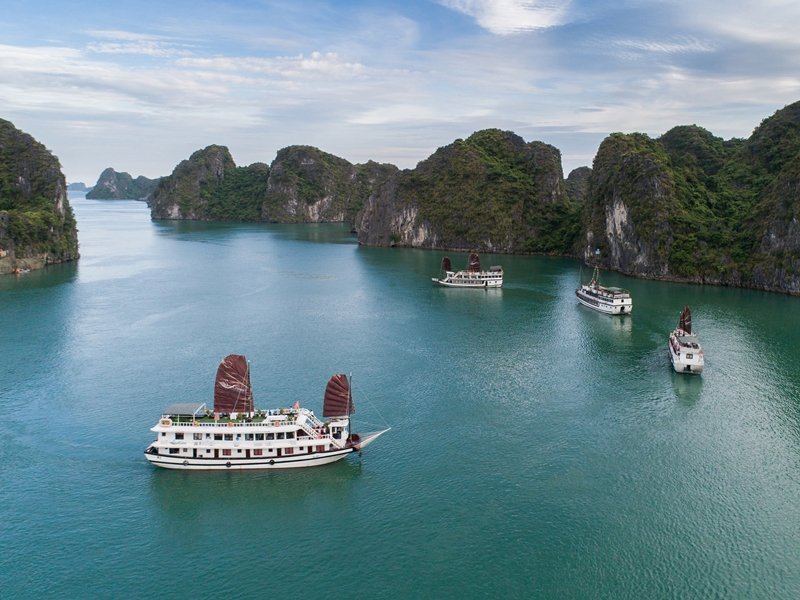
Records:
x=360, y=441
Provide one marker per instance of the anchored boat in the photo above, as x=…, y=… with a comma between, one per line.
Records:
x=234, y=435
x=685, y=352
x=471, y=277
x=609, y=300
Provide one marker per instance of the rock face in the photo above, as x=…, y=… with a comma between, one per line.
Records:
x=307, y=185
x=303, y=185
x=185, y=194
x=692, y=207
x=577, y=184
x=121, y=186
x=492, y=192
x=773, y=155
x=37, y=226
x=631, y=200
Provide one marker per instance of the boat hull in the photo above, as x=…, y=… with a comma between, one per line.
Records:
x=234, y=464
x=482, y=285
x=603, y=307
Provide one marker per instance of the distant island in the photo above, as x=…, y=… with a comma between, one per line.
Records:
x=121, y=186
x=77, y=186
x=686, y=206
x=37, y=226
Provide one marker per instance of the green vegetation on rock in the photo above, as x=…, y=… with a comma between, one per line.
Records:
x=37, y=226
x=117, y=186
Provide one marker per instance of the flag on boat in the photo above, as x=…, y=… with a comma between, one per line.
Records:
x=297, y=405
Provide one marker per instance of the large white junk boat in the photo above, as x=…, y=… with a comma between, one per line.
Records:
x=609, y=300
x=237, y=436
x=685, y=351
x=472, y=277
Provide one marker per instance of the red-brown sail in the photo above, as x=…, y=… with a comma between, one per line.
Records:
x=232, y=392
x=474, y=262
x=446, y=264
x=338, y=400
x=685, y=321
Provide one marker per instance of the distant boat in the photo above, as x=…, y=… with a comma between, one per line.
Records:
x=471, y=277
x=609, y=300
x=237, y=436
x=685, y=352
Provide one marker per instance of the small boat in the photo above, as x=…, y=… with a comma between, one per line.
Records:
x=685, y=352
x=237, y=436
x=609, y=300
x=471, y=277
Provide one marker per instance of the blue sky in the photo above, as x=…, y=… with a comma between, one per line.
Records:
x=139, y=86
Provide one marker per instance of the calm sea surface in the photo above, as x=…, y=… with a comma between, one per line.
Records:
x=538, y=449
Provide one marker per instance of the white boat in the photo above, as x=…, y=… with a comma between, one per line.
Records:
x=609, y=300
x=685, y=352
x=472, y=277
x=237, y=436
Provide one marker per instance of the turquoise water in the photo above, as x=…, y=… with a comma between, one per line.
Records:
x=539, y=449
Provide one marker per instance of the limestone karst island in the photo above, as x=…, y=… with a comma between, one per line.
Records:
x=37, y=227
x=686, y=206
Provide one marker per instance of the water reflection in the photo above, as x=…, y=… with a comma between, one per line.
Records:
x=687, y=388
x=188, y=494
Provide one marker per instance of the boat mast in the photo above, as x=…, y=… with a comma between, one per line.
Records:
x=349, y=403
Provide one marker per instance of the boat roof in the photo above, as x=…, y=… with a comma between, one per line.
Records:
x=186, y=408
x=617, y=290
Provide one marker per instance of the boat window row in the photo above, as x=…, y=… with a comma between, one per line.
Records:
x=257, y=451
x=229, y=437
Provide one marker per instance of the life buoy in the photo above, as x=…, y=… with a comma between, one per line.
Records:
x=186, y=463
x=230, y=423
x=228, y=464
x=166, y=422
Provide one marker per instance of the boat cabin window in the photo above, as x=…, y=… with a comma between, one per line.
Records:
x=270, y=436
x=197, y=436
x=259, y=436
x=288, y=450
x=289, y=435
x=174, y=450
x=228, y=437
x=163, y=433
x=178, y=436
x=226, y=452
x=257, y=452
x=281, y=435
x=320, y=448
x=248, y=437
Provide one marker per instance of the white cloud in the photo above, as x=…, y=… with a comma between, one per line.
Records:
x=316, y=63
x=679, y=45
x=506, y=17
x=126, y=42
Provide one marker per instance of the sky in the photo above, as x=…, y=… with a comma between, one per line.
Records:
x=139, y=86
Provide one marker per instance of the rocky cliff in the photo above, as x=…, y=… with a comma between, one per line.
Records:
x=302, y=185
x=307, y=185
x=185, y=194
x=37, y=226
x=112, y=185
x=492, y=191
x=689, y=206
